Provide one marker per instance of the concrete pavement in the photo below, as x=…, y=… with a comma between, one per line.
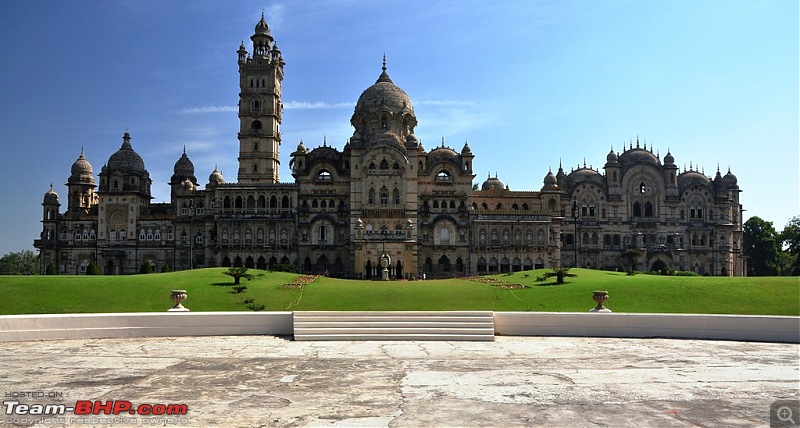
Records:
x=264, y=381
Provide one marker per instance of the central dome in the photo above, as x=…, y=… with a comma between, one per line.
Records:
x=384, y=95
x=126, y=160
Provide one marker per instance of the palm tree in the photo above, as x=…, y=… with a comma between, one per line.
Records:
x=631, y=255
x=560, y=273
x=238, y=273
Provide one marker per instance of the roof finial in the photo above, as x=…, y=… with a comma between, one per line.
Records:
x=442, y=140
x=184, y=149
x=324, y=140
x=384, y=62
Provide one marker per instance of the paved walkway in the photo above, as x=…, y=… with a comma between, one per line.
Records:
x=515, y=381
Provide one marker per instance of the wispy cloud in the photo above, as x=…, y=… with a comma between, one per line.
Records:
x=209, y=109
x=305, y=105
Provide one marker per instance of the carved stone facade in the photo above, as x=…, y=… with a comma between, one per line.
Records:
x=385, y=194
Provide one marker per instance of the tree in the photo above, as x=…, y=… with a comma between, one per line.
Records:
x=238, y=273
x=19, y=263
x=761, y=246
x=790, y=238
x=560, y=273
x=51, y=269
x=631, y=255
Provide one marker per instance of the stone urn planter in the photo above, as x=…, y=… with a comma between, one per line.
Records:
x=600, y=297
x=178, y=296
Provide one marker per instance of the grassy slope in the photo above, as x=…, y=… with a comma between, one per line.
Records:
x=209, y=290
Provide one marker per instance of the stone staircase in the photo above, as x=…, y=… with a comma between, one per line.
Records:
x=394, y=325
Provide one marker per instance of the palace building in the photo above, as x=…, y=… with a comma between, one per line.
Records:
x=385, y=194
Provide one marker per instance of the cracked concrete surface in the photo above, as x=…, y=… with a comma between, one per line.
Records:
x=262, y=381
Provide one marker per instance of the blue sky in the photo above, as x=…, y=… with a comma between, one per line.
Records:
x=526, y=83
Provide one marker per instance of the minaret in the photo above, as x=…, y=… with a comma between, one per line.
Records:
x=260, y=108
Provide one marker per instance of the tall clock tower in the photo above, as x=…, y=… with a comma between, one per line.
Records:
x=260, y=108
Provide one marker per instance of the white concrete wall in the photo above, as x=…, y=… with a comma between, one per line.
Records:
x=165, y=324
x=147, y=324
x=684, y=326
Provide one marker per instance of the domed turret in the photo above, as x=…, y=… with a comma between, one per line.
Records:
x=184, y=169
x=550, y=181
x=81, y=171
x=669, y=159
x=51, y=197
x=466, y=150
x=215, y=179
x=492, y=183
x=261, y=27
x=612, y=157
x=730, y=180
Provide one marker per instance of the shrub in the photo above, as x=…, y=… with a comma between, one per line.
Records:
x=685, y=273
x=146, y=268
x=248, y=301
x=284, y=267
x=166, y=268
x=51, y=269
x=239, y=288
x=256, y=307
x=92, y=269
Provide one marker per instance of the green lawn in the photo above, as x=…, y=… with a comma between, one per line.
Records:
x=209, y=290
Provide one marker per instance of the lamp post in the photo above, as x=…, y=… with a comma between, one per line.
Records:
x=575, y=222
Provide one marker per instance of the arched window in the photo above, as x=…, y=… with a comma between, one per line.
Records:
x=384, y=198
x=396, y=196
x=323, y=233
x=444, y=235
x=384, y=164
x=443, y=175
x=637, y=209
x=285, y=202
x=324, y=175
x=648, y=209
x=371, y=198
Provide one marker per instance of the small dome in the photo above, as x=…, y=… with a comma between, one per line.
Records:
x=412, y=140
x=730, y=180
x=187, y=184
x=492, y=183
x=612, y=157
x=262, y=27
x=466, y=150
x=216, y=177
x=669, y=159
x=51, y=197
x=184, y=166
x=81, y=171
x=301, y=148
x=126, y=160
x=550, y=180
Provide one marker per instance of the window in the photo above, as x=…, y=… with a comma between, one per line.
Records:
x=198, y=239
x=323, y=233
x=324, y=175
x=444, y=235
x=443, y=176
x=200, y=211
x=384, y=199
x=384, y=164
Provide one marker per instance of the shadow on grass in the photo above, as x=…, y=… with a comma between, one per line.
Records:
x=549, y=284
x=222, y=284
